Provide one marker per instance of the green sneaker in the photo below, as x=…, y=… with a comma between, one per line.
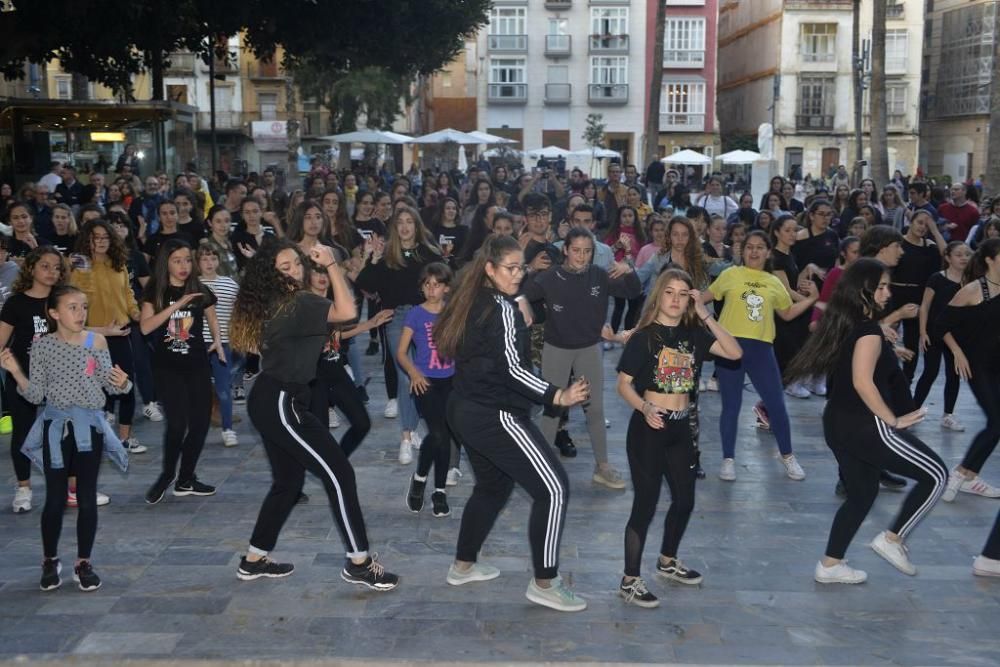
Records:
x=556, y=596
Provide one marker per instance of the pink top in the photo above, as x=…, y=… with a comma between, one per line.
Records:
x=645, y=253
x=619, y=252
x=833, y=276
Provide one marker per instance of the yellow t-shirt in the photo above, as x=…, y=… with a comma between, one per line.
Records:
x=751, y=298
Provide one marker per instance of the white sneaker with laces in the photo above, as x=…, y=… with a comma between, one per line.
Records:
x=702, y=385
x=102, y=499
x=391, y=409
x=229, y=438
x=841, y=573
x=818, y=387
x=955, y=480
x=334, y=418
x=151, y=411
x=416, y=438
x=405, y=451
x=712, y=384
x=556, y=596
x=478, y=572
x=608, y=476
x=133, y=446
x=792, y=468
x=977, y=486
x=453, y=476
x=894, y=552
x=797, y=390
x=22, y=499
x=986, y=567
x=727, y=473
x=949, y=423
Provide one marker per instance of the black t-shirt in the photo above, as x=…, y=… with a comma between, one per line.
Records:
x=840, y=386
x=154, y=242
x=196, y=231
x=457, y=235
x=294, y=339
x=179, y=344
x=64, y=244
x=782, y=262
x=944, y=290
x=242, y=237
x=21, y=249
x=397, y=287
x=666, y=360
x=26, y=315
x=372, y=226
x=917, y=265
x=820, y=249
x=534, y=248
x=137, y=267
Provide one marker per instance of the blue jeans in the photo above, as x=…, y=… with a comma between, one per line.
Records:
x=140, y=359
x=761, y=365
x=223, y=376
x=354, y=360
x=408, y=417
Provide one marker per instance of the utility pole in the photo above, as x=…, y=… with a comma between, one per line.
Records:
x=211, y=110
x=878, y=137
x=858, y=67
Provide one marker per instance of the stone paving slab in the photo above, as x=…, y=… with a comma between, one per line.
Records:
x=170, y=593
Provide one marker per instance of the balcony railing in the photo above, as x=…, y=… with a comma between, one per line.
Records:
x=507, y=43
x=507, y=93
x=558, y=46
x=224, y=120
x=819, y=56
x=181, y=64
x=609, y=43
x=559, y=5
x=683, y=58
x=262, y=70
x=227, y=65
x=895, y=122
x=814, y=123
x=682, y=122
x=894, y=11
x=558, y=93
x=607, y=93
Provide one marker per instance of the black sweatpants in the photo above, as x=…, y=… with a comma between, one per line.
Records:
x=186, y=398
x=85, y=465
x=22, y=414
x=436, y=447
x=295, y=441
x=120, y=348
x=864, y=446
x=932, y=365
x=504, y=448
x=634, y=309
x=902, y=296
x=654, y=455
x=334, y=388
x=985, y=386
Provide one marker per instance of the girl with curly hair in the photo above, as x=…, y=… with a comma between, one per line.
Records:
x=275, y=314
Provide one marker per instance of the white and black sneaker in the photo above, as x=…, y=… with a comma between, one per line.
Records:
x=156, y=492
x=415, y=494
x=85, y=577
x=440, y=502
x=371, y=573
x=265, y=567
x=675, y=570
x=239, y=395
x=635, y=592
x=51, y=568
x=193, y=487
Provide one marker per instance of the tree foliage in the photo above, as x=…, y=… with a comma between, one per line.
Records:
x=372, y=92
x=593, y=134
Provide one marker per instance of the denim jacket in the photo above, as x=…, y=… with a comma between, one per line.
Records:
x=82, y=419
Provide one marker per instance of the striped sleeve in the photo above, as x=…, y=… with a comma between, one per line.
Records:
x=519, y=378
x=225, y=291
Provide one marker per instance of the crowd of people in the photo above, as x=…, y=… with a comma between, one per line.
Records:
x=492, y=297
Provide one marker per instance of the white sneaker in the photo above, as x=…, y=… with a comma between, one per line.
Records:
x=453, y=475
x=416, y=438
x=977, y=486
x=712, y=384
x=792, y=468
x=478, y=572
x=557, y=596
x=334, y=419
x=151, y=411
x=797, y=390
x=818, y=387
x=110, y=416
x=727, y=473
x=102, y=499
x=405, y=451
x=948, y=422
x=391, y=409
x=986, y=567
x=22, y=499
x=841, y=573
x=702, y=385
x=894, y=552
x=608, y=476
x=607, y=423
x=951, y=488
x=229, y=438
x=133, y=446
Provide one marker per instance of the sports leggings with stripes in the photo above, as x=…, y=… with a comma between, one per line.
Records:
x=864, y=446
x=295, y=441
x=504, y=448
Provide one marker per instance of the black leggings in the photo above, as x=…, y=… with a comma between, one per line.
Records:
x=340, y=392
x=436, y=446
x=120, y=348
x=865, y=446
x=654, y=455
x=932, y=364
x=902, y=296
x=634, y=308
x=992, y=548
x=388, y=364
x=985, y=387
x=85, y=465
x=22, y=414
x=295, y=442
x=187, y=402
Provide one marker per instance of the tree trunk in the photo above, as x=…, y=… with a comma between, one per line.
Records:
x=878, y=140
x=651, y=149
x=858, y=69
x=291, y=131
x=992, y=184
x=156, y=73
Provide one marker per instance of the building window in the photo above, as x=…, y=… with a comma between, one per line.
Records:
x=507, y=21
x=268, y=105
x=609, y=20
x=682, y=104
x=895, y=97
x=64, y=88
x=608, y=69
x=507, y=70
x=558, y=26
x=684, y=42
x=895, y=50
x=819, y=42
x=816, y=98
x=446, y=79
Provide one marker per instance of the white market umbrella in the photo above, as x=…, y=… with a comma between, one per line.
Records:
x=463, y=160
x=502, y=152
x=598, y=153
x=368, y=136
x=738, y=157
x=446, y=136
x=487, y=138
x=549, y=152
x=687, y=156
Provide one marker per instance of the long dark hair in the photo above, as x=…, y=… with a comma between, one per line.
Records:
x=977, y=265
x=25, y=277
x=449, y=331
x=159, y=282
x=853, y=302
x=264, y=291
x=117, y=252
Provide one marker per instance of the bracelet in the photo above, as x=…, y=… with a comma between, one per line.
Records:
x=327, y=267
x=707, y=318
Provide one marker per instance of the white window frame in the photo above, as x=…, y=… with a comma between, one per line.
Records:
x=508, y=70
x=508, y=21
x=818, y=42
x=682, y=105
x=684, y=41
x=896, y=98
x=609, y=21
x=897, y=44
x=273, y=114
x=827, y=102
x=558, y=26
x=64, y=87
x=608, y=70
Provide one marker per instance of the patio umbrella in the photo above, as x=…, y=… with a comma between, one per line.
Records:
x=597, y=153
x=446, y=136
x=501, y=152
x=738, y=157
x=368, y=136
x=487, y=138
x=687, y=156
x=550, y=152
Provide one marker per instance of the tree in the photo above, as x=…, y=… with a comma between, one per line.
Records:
x=878, y=141
x=652, y=147
x=858, y=70
x=992, y=185
x=593, y=134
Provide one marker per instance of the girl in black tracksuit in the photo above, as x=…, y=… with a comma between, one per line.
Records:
x=289, y=327
x=482, y=329
x=863, y=423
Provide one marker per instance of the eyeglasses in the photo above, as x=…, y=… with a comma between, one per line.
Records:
x=515, y=268
x=545, y=213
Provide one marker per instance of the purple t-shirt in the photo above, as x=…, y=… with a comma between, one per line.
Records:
x=427, y=360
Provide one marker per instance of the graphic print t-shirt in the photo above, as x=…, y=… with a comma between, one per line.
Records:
x=666, y=360
x=27, y=317
x=427, y=360
x=180, y=344
x=751, y=298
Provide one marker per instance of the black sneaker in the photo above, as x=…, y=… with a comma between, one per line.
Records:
x=675, y=570
x=51, y=568
x=265, y=567
x=891, y=482
x=363, y=394
x=440, y=501
x=635, y=592
x=565, y=444
x=85, y=577
x=160, y=486
x=370, y=574
x=415, y=495
x=193, y=487
x=699, y=472
x=372, y=348
x=239, y=395
x=302, y=499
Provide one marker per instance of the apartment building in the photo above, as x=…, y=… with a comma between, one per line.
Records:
x=789, y=63
x=958, y=64
x=545, y=65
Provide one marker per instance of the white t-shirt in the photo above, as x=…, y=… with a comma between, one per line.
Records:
x=721, y=205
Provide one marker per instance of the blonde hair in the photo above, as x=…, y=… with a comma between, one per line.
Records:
x=394, y=257
x=651, y=308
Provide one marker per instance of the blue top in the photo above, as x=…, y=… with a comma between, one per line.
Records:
x=421, y=322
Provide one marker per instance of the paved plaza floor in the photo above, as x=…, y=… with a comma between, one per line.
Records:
x=170, y=588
